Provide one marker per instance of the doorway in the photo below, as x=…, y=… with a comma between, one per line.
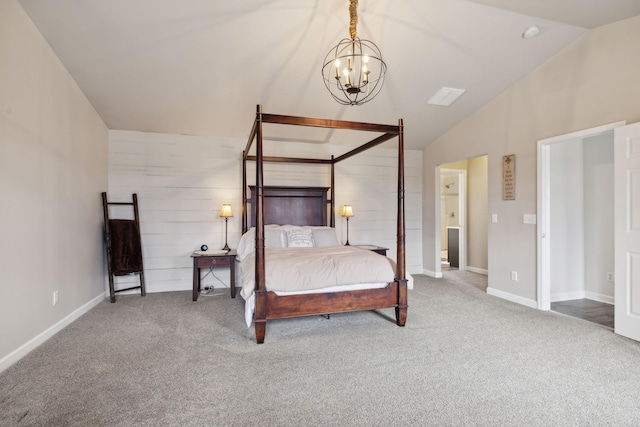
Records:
x=452, y=213
x=576, y=224
x=462, y=204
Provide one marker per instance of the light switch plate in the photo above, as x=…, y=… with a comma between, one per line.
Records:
x=494, y=218
x=529, y=218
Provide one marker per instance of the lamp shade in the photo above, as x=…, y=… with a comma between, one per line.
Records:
x=347, y=211
x=225, y=211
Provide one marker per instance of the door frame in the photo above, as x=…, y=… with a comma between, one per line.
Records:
x=544, y=211
x=462, y=209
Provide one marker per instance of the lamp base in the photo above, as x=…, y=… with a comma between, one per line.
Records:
x=226, y=225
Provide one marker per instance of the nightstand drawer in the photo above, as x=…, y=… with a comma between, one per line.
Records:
x=213, y=261
x=219, y=260
x=373, y=248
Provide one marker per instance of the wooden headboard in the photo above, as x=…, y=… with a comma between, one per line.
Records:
x=292, y=205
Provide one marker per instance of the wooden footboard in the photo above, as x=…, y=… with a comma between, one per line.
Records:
x=270, y=306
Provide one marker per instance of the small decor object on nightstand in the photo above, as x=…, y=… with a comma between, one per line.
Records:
x=226, y=213
x=347, y=212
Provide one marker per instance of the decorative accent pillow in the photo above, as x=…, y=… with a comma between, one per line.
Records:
x=302, y=238
x=325, y=237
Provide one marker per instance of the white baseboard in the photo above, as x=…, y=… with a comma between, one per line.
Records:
x=600, y=297
x=513, y=298
x=166, y=287
x=32, y=344
x=568, y=296
x=478, y=270
x=432, y=273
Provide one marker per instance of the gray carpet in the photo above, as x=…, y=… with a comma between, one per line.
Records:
x=464, y=358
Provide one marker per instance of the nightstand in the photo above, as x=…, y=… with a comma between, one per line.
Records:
x=223, y=260
x=377, y=249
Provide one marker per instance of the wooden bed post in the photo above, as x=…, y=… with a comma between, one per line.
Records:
x=269, y=305
x=332, y=205
x=401, y=309
x=260, y=317
x=244, y=192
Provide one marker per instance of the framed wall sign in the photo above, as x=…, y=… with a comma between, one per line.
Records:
x=509, y=177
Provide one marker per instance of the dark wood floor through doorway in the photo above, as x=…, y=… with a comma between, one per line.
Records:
x=586, y=309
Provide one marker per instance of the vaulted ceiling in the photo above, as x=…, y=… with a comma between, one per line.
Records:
x=201, y=66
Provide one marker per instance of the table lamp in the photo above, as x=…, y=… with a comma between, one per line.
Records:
x=347, y=212
x=226, y=213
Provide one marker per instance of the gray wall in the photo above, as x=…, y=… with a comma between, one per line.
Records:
x=598, y=217
x=592, y=82
x=53, y=166
x=478, y=214
x=566, y=222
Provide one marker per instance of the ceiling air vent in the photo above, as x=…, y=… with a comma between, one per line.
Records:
x=446, y=96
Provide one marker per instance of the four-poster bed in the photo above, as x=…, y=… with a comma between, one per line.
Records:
x=308, y=206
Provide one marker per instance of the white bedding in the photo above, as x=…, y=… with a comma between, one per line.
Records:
x=301, y=269
x=327, y=266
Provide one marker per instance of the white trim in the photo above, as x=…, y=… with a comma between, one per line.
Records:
x=165, y=287
x=511, y=297
x=462, y=212
x=32, y=344
x=478, y=270
x=438, y=224
x=435, y=274
x=607, y=299
x=544, y=249
x=594, y=296
x=568, y=296
x=543, y=199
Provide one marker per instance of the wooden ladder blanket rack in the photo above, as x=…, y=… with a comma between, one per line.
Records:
x=123, y=246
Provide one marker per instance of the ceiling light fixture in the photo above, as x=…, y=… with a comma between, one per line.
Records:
x=353, y=70
x=531, y=32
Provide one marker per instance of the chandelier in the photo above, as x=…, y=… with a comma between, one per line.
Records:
x=353, y=71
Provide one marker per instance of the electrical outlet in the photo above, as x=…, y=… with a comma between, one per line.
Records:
x=55, y=297
x=514, y=276
x=609, y=277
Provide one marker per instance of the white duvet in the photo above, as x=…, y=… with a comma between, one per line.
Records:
x=301, y=269
x=319, y=269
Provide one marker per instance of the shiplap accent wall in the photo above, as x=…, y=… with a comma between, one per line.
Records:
x=182, y=181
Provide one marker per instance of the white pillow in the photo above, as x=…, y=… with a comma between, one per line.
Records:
x=273, y=238
x=302, y=238
x=325, y=236
x=247, y=244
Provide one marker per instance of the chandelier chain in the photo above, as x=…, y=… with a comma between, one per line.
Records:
x=353, y=22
